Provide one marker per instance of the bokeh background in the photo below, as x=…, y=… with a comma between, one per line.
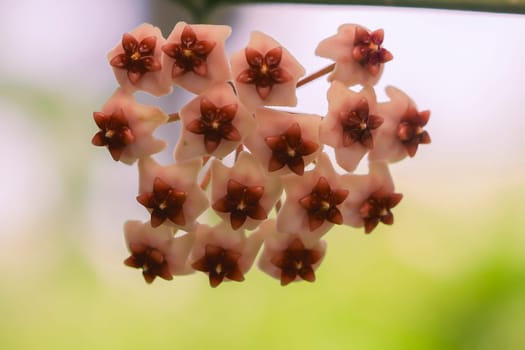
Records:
x=450, y=274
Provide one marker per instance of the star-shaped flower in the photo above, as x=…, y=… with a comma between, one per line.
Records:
x=321, y=204
x=314, y=202
x=370, y=197
x=224, y=254
x=165, y=202
x=136, y=61
x=376, y=208
x=350, y=124
x=265, y=73
x=126, y=128
x=243, y=195
x=213, y=123
x=156, y=251
x=284, y=143
x=171, y=193
x=289, y=257
x=114, y=132
x=196, y=56
x=402, y=131
x=358, y=54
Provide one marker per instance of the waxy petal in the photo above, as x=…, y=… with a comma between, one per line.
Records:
x=265, y=73
x=214, y=123
x=196, y=56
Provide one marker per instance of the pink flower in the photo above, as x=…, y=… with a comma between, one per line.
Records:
x=402, y=131
x=265, y=73
x=358, y=54
x=195, y=55
x=313, y=201
x=156, y=251
x=288, y=257
x=224, y=254
x=243, y=194
x=371, y=198
x=171, y=194
x=283, y=142
x=350, y=124
x=213, y=123
x=126, y=128
x=136, y=61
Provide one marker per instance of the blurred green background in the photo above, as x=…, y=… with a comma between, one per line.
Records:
x=450, y=274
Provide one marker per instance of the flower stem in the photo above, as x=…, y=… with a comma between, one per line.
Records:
x=173, y=117
x=316, y=75
x=207, y=177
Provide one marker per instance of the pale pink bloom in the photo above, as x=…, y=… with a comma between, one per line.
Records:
x=136, y=61
x=214, y=123
x=402, y=131
x=313, y=201
x=171, y=193
x=224, y=254
x=370, y=197
x=358, y=55
x=265, y=73
x=289, y=257
x=351, y=124
x=156, y=251
x=195, y=55
x=243, y=195
x=283, y=142
x=126, y=128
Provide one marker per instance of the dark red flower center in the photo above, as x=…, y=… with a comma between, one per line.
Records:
x=289, y=148
x=150, y=260
x=164, y=202
x=215, y=123
x=264, y=71
x=241, y=202
x=138, y=58
x=368, y=51
x=321, y=204
x=410, y=130
x=114, y=133
x=377, y=208
x=190, y=54
x=357, y=125
x=219, y=263
x=295, y=261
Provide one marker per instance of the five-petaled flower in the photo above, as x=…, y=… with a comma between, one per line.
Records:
x=368, y=51
x=376, y=208
x=196, y=57
x=358, y=54
x=165, y=202
x=284, y=143
x=265, y=73
x=243, y=195
x=222, y=253
x=351, y=124
x=126, y=128
x=214, y=123
x=114, y=132
x=136, y=61
x=156, y=251
x=314, y=202
x=171, y=193
x=370, y=197
x=402, y=131
x=289, y=257
x=321, y=204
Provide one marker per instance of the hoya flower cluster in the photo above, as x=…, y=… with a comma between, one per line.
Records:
x=276, y=202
